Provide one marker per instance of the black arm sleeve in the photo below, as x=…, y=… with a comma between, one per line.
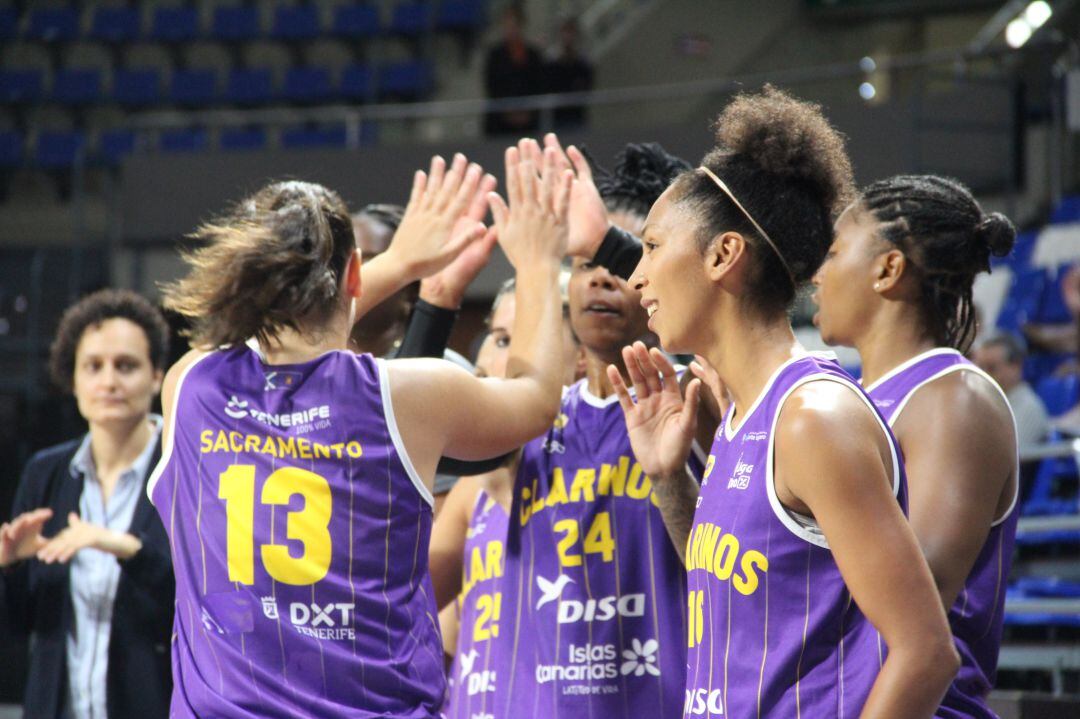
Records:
x=619, y=253
x=428, y=332
x=151, y=567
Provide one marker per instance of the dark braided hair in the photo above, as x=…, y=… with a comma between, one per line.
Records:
x=789, y=168
x=642, y=173
x=947, y=239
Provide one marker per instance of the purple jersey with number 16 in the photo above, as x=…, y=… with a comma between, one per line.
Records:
x=976, y=616
x=773, y=629
x=299, y=532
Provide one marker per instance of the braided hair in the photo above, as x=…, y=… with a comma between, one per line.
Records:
x=947, y=239
x=642, y=172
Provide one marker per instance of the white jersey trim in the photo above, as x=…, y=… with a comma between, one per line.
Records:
x=395, y=434
x=730, y=429
x=594, y=401
x=964, y=367
x=907, y=364
x=170, y=441
x=809, y=530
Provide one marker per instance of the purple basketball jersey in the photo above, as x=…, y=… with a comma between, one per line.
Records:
x=976, y=617
x=299, y=532
x=773, y=631
x=480, y=661
x=595, y=590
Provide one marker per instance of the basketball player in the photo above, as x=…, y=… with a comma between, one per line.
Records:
x=896, y=285
x=593, y=598
x=296, y=480
x=799, y=547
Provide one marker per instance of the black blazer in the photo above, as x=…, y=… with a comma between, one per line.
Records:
x=35, y=599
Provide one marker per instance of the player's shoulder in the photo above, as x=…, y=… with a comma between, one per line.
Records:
x=822, y=409
x=965, y=393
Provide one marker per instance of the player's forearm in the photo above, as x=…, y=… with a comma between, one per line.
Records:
x=676, y=495
x=912, y=681
x=381, y=277
x=535, y=350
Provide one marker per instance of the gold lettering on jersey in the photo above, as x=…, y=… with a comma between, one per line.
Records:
x=482, y=564
x=719, y=553
x=212, y=442
x=621, y=479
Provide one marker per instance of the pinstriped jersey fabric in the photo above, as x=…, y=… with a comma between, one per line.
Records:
x=773, y=630
x=299, y=534
x=976, y=617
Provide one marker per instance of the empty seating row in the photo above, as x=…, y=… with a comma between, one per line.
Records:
x=62, y=149
x=237, y=23
x=140, y=87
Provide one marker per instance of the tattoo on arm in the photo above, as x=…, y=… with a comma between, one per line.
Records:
x=677, y=496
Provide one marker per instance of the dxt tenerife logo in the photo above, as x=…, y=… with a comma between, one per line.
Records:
x=333, y=620
x=474, y=680
x=593, y=609
x=309, y=418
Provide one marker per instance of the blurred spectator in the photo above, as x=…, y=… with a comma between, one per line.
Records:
x=1002, y=357
x=569, y=71
x=1060, y=337
x=513, y=68
x=85, y=568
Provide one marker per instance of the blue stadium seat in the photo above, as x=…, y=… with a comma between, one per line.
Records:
x=243, y=138
x=19, y=86
x=357, y=83
x=58, y=150
x=137, y=87
x=9, y=22
x=11, y=148
x=115, y=24
x=1022, y=301
x=115, y=145
x=56, y=24
x=175, y=24
x=411, y=19
x=1053, y=476
x=461, y=15
x=252, y=86
x=356, y=21
x=313, y=137
x=407, y=80
x=1052, y=307
x=187, y=139
x=1059, y=394
x=77, y=86
x=193, y=87
x=306, y=84
x=1068, y=210
x=296, y=22
x=236, y=23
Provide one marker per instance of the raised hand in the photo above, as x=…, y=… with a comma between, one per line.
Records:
x=21, y=537
x=532, y=228
x=80, y=535
x=660, y=421
x=588, y=215
x=446, y=288
x=441, y=218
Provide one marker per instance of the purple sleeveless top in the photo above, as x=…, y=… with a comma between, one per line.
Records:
x=594, y=588
x=976, y=617
x=299, y=532
x=480, y=661
x=773, y=630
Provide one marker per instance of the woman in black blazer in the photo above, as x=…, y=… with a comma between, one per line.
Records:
x=85, y=568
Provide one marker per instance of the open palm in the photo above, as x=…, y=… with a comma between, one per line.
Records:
x=659, y=419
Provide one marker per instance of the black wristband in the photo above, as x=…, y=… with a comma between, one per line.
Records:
x=428, y=332
x=619, y=253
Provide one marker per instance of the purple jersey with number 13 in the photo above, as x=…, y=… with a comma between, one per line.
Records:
x=299, y=532
x=976, y=616
x=773, y=629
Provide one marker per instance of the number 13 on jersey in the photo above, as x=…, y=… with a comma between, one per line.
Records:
x=310, y=526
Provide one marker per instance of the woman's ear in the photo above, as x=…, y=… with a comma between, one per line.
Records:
x=723, y=253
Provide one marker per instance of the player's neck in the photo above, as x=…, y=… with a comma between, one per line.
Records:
x=746, y=365
x=886, y=345
x=499, y=484
x=596, y=378
x=295, y=347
